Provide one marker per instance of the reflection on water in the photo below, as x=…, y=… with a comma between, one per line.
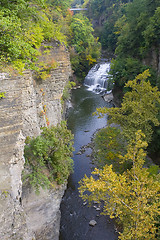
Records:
x=83, y=124
x=75, y=214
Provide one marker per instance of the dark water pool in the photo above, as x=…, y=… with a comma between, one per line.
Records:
x=75, y=215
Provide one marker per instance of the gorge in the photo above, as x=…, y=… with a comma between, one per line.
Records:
x=25, y=215
x=76, y=214
x=44, y=46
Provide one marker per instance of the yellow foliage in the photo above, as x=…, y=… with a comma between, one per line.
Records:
x=90, y=59
x=133, y=197
x=139, y=108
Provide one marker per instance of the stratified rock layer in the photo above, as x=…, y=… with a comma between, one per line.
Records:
x=29, y=105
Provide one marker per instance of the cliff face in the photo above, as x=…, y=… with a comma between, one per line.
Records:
x=29, y=105
x=153, y=59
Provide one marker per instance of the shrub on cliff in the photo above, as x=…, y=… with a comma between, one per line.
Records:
x=48, y=156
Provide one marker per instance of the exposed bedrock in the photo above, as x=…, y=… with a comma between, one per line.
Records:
x=23, y=214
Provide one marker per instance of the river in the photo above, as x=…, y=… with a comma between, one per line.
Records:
x=75, y=214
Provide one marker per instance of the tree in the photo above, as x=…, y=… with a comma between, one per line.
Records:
x=124, y=69
x=108, y=144
x=137, y=30
x=133, y=197
x=139, y=110
x=62, y=4
x=138, y=46
x=85, y=47
x=152, y=31
x=48, y=156
x=131, y=41
x=104, y=14
x=24, y=26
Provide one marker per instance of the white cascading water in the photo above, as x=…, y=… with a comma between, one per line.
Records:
x=96, y=79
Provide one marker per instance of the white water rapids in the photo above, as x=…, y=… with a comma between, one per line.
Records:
x=97, y=78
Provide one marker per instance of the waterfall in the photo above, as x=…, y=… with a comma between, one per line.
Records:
x=96, y=79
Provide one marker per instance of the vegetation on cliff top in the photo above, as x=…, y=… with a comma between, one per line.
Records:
x=27, y=24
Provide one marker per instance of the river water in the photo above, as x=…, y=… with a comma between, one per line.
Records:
x=75, y=214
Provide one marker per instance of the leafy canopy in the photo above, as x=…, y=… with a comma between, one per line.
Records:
x=85, y=47
x=133, y=197
x=137, y=31
x=104, y=14
x=109, y=143
x=24, y=25
x=139, y=110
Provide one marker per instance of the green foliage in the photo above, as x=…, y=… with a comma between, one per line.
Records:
x=104, y=14
x=44, y=67
x=132, y=28
x=152, y=31
x=109, y=144
x=154, y=146
x=138, y=30
x=85, y=48
x=66, y=91
x=48, y=157
x=107, y=35
x=153, y=170
x=133, y=197
x=24, y=26
x=82, y=30
x=125, y=69
x=138, y=36
x=139, y=110
x=4, y=193
x=61, y=4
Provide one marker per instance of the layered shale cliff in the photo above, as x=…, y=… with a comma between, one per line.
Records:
x=23, y=214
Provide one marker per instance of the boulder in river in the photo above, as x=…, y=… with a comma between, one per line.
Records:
x=92, y=223
x=108, y=97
